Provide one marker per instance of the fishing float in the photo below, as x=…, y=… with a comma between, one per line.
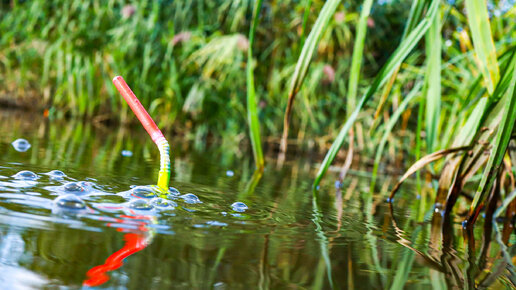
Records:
x=150, y=126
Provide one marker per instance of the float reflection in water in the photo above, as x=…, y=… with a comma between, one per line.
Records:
x=134, y=242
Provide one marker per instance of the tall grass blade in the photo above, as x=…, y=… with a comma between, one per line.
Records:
x=500, y=144
x=478, y=20
x=356, y=61
x=385, y=73
x=304, y=62
x=433, y=82
x=252, y=111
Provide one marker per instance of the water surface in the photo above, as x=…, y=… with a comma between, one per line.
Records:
x=224, y=229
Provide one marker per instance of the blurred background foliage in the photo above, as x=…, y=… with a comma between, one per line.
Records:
x=186, y=61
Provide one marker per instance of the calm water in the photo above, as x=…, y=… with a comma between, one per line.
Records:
x=88, y=228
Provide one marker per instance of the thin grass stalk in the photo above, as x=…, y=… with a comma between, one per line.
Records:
x=308, y=4
x=419, y=128
x=388, y=129
x=387, y=70
x=303, y=63
x=416, y=12
x=252, y=111
x=356, y=61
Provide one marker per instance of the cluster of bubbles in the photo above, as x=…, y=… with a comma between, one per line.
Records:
x=73, y=196
x=78, y=197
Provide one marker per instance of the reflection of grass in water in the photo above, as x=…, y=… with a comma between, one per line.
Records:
x=323, y=242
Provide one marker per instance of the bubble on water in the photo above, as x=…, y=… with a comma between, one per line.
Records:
x=25, y=175
x=56, y=174
x=230, y=173
x=21, y=145
x=239, y=206
x=74, y=187
x=162, y=203
x=143, y=191
x=173, y=192
x=190, y=198
x=70, y=201
x=88, y=186
x=127, y=153
x=140, y=204
x=216, y=223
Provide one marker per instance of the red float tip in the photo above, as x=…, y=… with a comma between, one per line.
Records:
x=137, y=108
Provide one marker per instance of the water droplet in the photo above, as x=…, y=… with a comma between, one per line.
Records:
x=140, y=204
x=239, y=206
x=173, y=191
x=74, y=187
x=21, y=145
x=230, y=173
x=56, y=174
x=143, y=192
x=70, y=201
x=190, y=198
x=127, y=153
x=26, y=175
x=162, y=203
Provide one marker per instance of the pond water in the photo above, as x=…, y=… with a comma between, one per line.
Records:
x=82, y=218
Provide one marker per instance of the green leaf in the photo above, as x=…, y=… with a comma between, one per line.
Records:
x=500, y=144
x=478, y=20
x=432, y=87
